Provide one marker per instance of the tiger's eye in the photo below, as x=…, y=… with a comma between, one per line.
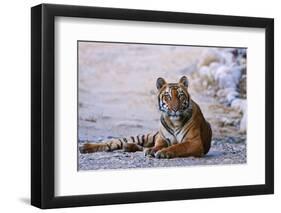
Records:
x=167, y=97
x=181, y=95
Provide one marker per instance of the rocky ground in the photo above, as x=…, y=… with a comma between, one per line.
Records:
x=224, y=151
x=117, y=98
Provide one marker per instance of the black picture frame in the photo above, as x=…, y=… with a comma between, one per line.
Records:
x=43, y=105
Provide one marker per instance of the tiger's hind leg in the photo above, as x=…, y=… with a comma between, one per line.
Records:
x=101, y=147
x=130, y=144
x=91, y=147
x=110, y=146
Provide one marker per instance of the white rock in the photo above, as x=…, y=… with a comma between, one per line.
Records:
x=205, y=83
x=243, y=122
x=232, y=96
x=236, y=73
x=228, y=121
x=221, y=93
x=227, y=57
x=220, y=71
x=213, y=68
x=225, y=80
x=208, y=56
x=204, y=72
x=228, y=77
x=239, y=104
x=242, y=61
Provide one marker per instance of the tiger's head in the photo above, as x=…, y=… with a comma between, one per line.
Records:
x=173, y=98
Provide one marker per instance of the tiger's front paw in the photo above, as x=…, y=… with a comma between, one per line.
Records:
x=164, y=153
x=150, y=152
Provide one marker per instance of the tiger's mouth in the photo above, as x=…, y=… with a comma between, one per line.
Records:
x=174, y=114
x=178, y=115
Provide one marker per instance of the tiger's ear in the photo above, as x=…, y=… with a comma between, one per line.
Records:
x=184, y=81
x=160, y=83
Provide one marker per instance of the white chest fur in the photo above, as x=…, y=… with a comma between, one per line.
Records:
x=171, y=137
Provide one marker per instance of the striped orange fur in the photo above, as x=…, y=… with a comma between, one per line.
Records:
x=183, y=129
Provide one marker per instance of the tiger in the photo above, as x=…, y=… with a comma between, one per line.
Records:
x=183, y=132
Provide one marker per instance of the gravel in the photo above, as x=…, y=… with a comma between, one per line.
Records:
x=230, y=150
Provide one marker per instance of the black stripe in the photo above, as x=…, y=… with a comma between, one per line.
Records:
x=153, y=138
x=133, y=139
x=109, y=149
x=173, y=85
x=118, y=145
x=138, y=140
x=188, y=101
x=125, y=140
x=186, y=119
x=147, y=138
x=159, y=102
x=121, y=142
x=184, y=135
x=142, y=138
x=166, y=126
x=168, y=141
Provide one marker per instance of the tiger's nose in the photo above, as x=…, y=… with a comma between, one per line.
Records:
x=175, y=108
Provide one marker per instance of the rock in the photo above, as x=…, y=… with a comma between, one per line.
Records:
x=209, y=56
x=243, y=61
x=228, y=77
x=239, y=104
x=243, y=86
x=223, y=73
x=227, y=57
x=236, y=72
x=228, y=122
x=231, y=96
x=204, y=72
x=214, y=67
x=100, y=139
x=224, y=92
x=210, y=91
x=243, y=122
x=205, y=83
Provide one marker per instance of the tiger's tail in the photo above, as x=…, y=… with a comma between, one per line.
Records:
x=128, y=144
